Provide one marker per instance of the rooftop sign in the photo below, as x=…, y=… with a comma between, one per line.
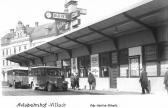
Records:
x=57, y=15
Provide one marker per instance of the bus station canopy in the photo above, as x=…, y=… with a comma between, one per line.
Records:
x=146, y=16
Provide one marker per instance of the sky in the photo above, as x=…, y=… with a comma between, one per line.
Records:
x=31, y=11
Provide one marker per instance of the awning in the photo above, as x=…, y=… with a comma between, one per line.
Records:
x=147, y=16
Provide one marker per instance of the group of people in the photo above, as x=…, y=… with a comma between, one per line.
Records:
x=75, y=81
x=145, y=83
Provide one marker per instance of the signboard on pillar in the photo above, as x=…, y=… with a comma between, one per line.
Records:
x=59, y=64
x=74, y=67
x=95, y=65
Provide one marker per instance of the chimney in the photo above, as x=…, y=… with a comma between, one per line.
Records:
x=36, y=24
x=27, y=26
x=12, y=31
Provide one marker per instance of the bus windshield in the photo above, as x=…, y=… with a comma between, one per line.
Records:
x=53, y=72
x=18, y=72
x=45, y=71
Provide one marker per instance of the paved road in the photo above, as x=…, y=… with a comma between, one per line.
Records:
x=9, y=91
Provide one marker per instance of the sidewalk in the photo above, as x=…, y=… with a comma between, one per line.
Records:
x=106, y=92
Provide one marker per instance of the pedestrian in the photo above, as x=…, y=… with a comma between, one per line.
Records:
x=144, y=81
x=166, y=80
x=91, y=81
x=72, y=79
x=77, y=81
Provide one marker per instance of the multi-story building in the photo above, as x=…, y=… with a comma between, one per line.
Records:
x=21, y=39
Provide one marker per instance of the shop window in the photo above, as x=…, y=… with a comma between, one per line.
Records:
x=163, y=66
x=84, y=65
x=104, y=64
x=124, y=71
x=151, y=68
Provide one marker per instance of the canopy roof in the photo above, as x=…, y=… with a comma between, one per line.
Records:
x=146, y=16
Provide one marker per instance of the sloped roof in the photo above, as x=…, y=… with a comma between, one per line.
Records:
x=6, y=38
x=43, y=31
x=144, y=17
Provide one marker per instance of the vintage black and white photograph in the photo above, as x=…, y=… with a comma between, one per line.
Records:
x=84, y=48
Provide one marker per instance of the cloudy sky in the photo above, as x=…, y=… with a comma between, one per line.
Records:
x=30, y=11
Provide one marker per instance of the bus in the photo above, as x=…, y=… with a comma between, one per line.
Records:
x=18, y=77
x=47, y=78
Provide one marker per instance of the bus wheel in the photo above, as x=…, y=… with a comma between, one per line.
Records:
x=49, y=87
x=33, y=87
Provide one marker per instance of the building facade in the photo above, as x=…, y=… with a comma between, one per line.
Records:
x=21, y=39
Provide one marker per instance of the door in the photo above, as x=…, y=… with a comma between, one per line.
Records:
x=134, y=66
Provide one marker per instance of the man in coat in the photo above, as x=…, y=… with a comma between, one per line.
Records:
x=166, y=80
x=72, y=81
x=144, y=81
x=91, y=81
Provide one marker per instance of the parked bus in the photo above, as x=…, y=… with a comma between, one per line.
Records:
x=18, y=77
x=48, y=78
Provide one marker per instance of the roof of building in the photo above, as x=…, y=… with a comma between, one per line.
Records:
x=43, y=30
x=37, y=32
x=144, y=17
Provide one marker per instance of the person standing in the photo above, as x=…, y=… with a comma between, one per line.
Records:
x=72, y=81
x=77, y=81
x=166, y=80
x=144, y=81
x=91, y=81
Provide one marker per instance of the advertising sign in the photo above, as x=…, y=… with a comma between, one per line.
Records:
x=59, y=64
x=95, y=65
x=62, y=26
x=82, y=11
x=75, y=14
x=76, y=22
x=74, y=68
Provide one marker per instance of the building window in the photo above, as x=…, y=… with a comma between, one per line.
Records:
x=104, y=64
x=3, y=62
x=3, y=52
x=150, y=53
x=6, y=51
x=83, y=65
x=14, y=50
x=151, y=68
x=163, y=66
x=25, y=47
x=123, y=60
x=150, y=59
x=7, y=62
x=19, y=48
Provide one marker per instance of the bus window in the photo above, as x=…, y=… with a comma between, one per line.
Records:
x=53, y=72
